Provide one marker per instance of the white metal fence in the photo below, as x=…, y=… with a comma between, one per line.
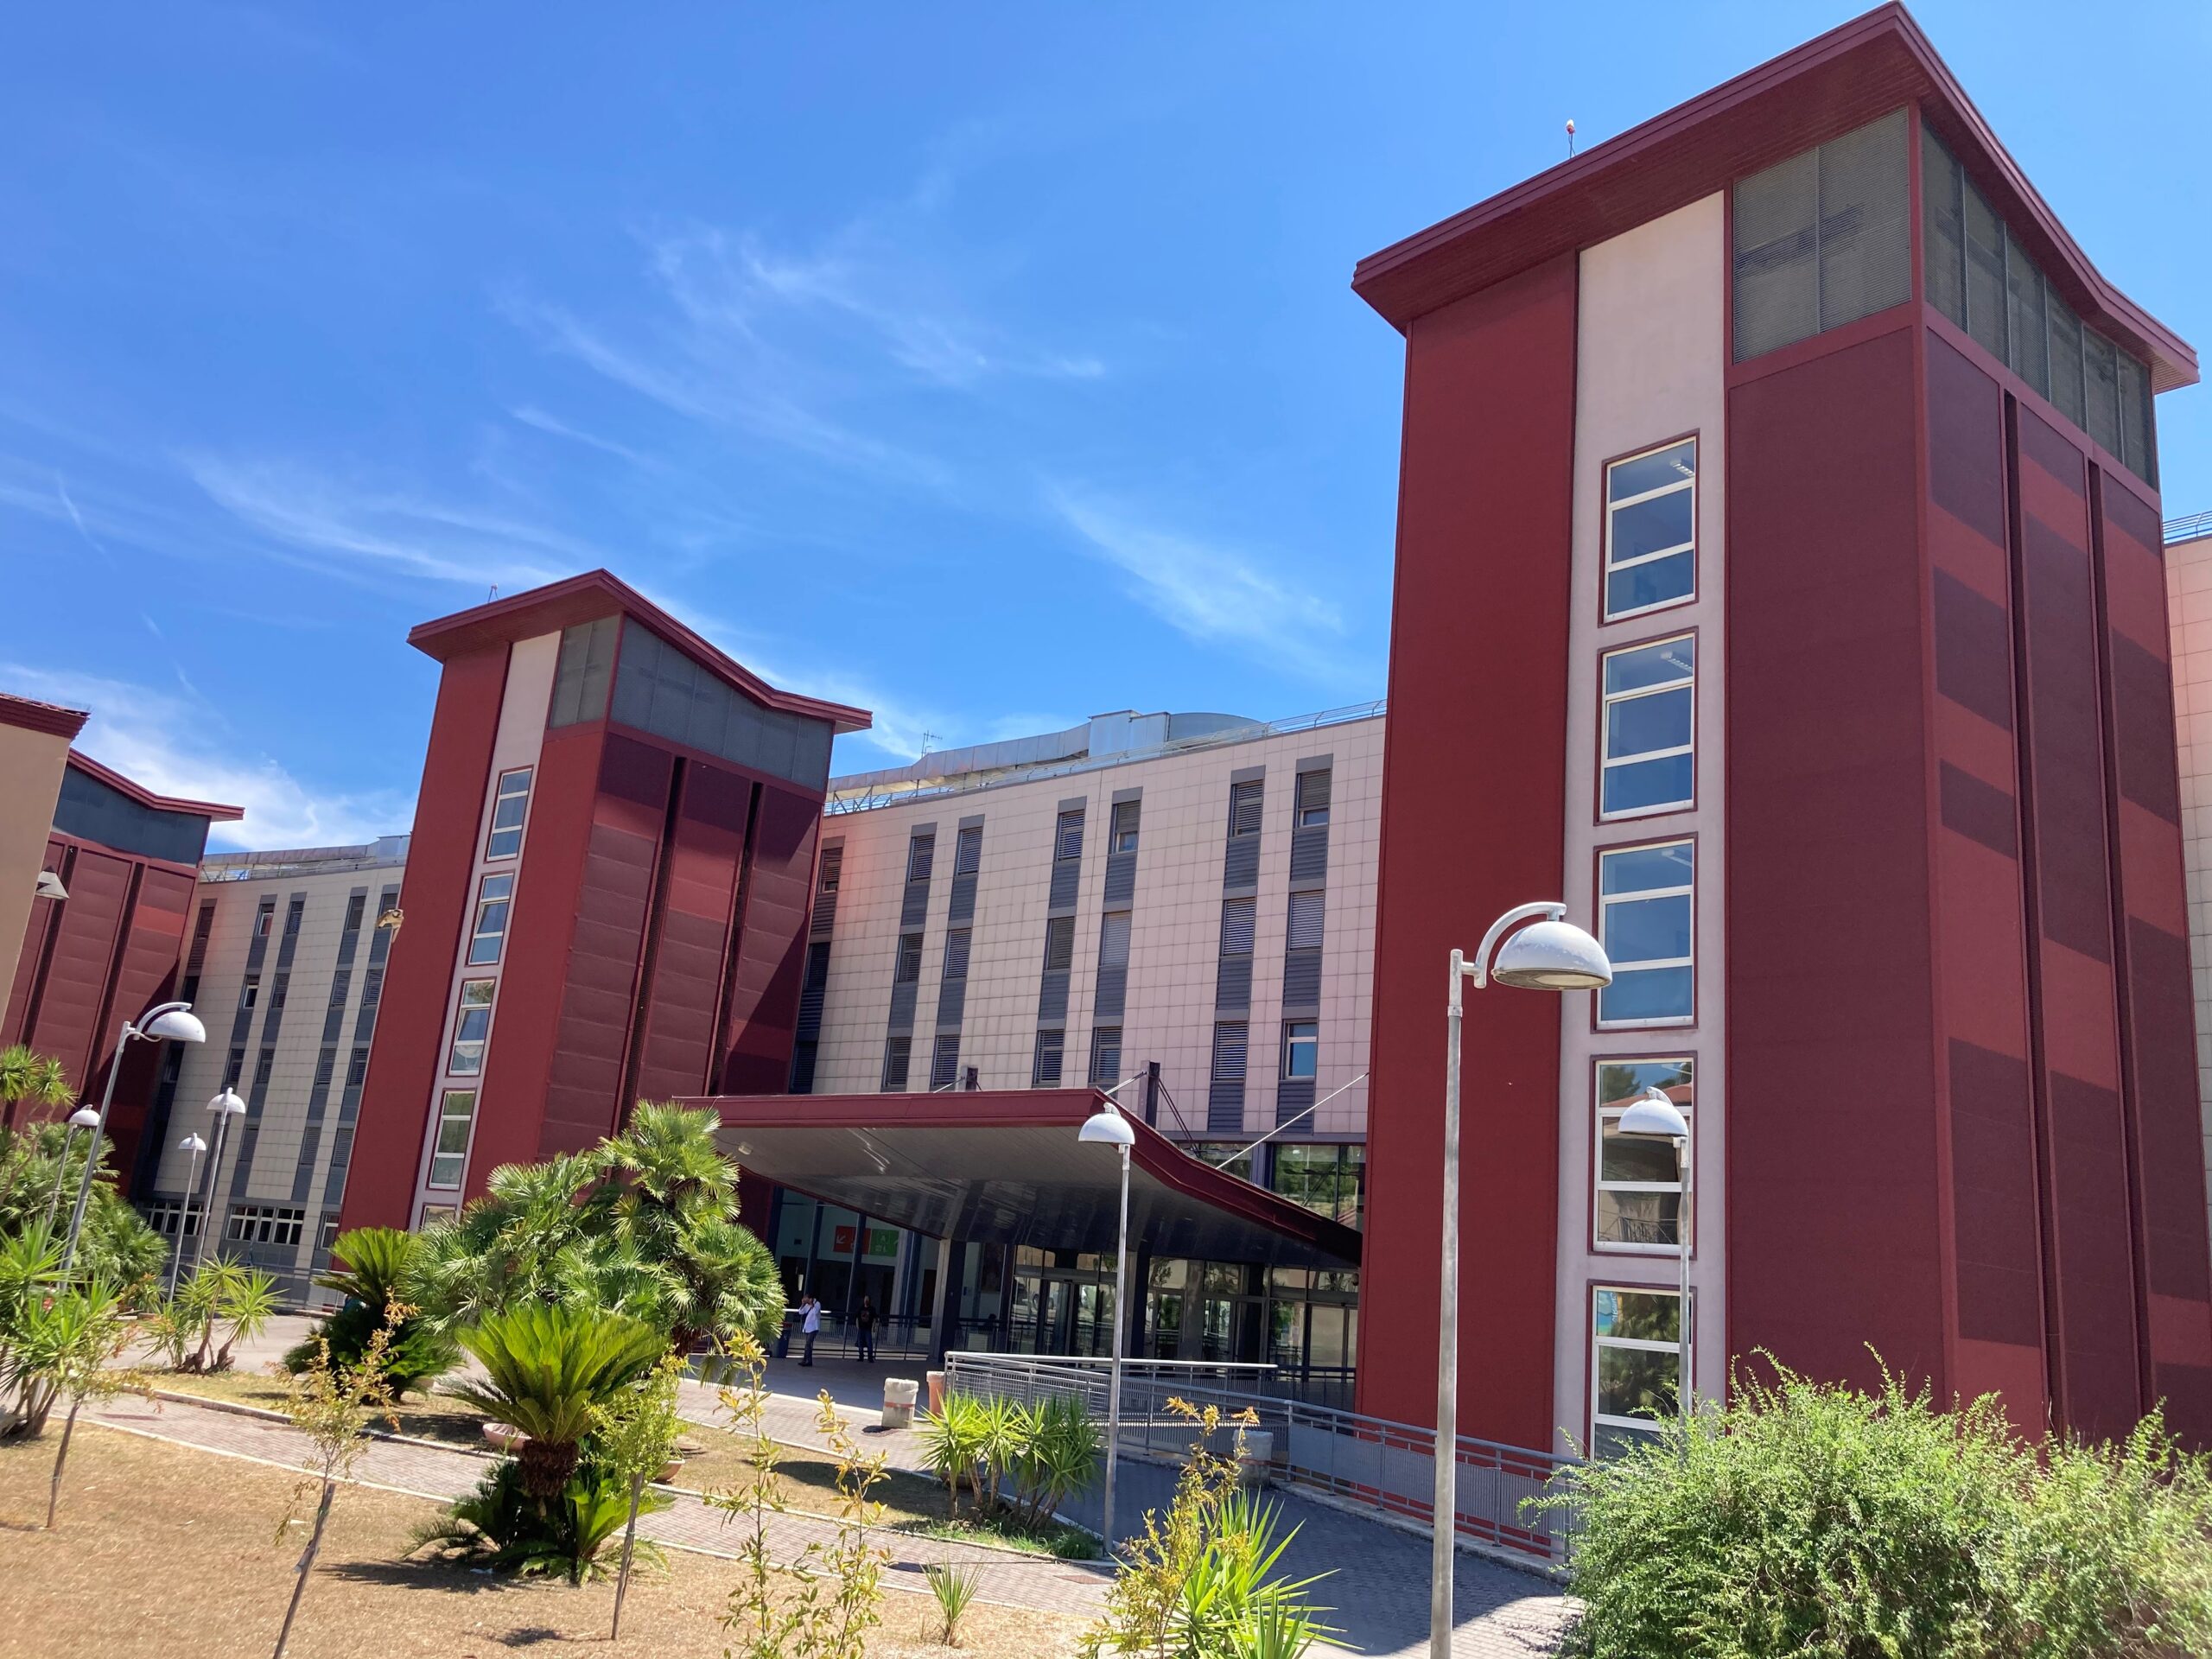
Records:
x=1368, y=1462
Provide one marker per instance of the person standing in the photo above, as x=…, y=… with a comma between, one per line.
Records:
x=864, y=1321
x=810, y=1325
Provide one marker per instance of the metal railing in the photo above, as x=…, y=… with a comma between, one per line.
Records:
x=1367, y=1462
x=2189, y=529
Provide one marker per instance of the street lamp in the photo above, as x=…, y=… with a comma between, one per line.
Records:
x=194, y=1145
x=226, y=1106
x=1655, y=1117
x=1109, y=1127
x=172, y=1021
x=83, y=1118
x=1550, y=953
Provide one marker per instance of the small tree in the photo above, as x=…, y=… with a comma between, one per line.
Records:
x=634, y=1435
x=332, y=1404
x=27, y=1075
x=65, y=1352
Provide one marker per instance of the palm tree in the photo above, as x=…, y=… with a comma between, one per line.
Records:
x=27, y=1075
x=547, y=1370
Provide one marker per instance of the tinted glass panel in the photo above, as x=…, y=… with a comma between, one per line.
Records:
x=1643, y=474
x=1649, y=526
x=1659, y=583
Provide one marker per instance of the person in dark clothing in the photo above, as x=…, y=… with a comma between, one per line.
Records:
x=864, y=1323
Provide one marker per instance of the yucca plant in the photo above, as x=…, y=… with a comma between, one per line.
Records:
x=952, y=1445
x=248, y=1302
x=1060, y=1456
x=955, y=1587
x=547, y=1371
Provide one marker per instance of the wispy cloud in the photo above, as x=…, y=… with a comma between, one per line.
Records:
x=76, y=519
x=170, y=744
x=1212, y=593
x=351, y=529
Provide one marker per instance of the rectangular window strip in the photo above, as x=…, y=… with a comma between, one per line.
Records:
x=1123, y=837
x=897, y=1055
x=450, y=1152
x=472, y=1028
x=261, y=1223
x=509, y=807
x=1232, y=1040
x=1106, y=1057
x=945, y=1061
x=1648, y=750
x=487, y=941
x=1646, y=900
x=1053, y=982
x=1044, y=1070
x=1639, y=1185
x=1634, y=1362
x=1651, y=530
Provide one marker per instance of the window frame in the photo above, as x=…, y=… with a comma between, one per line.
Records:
x=1600, y=900
x=1125, y=821
x=1098, y=1034
x=1605, y=702
x=1600, y=1114
x=500, y=794
x=446, y=1114
x=1037, y=1077
x=1594, y=1346
x=477, y=933
x=1607, y=505
x=1305, y=816
x=462, y=1009
x=1292, y=1041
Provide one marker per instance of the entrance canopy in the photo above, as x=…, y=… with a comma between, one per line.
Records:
x=1004, y=1166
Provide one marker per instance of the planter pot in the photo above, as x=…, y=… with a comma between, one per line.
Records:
x=671, y=1469
x=501, y=1438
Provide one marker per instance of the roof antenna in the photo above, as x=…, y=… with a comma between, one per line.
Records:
x=1570, y=135
x=495, y=593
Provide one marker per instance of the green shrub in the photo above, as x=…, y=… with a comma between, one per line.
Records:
x=370, y=1268
x=1822, y=1522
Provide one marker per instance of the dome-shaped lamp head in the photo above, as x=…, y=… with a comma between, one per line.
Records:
x=177, y=1025
x=84, y=1118
x=192, y=1144
x=1107, y=1129
x=228, y=1104
x=1653, y=1117
x=1552, y=956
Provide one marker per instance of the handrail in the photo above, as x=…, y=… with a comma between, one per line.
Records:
x=2189, y=529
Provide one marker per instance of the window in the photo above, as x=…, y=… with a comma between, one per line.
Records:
x=326, y=1067
x=1652, y=530
x=1329, y=1179
x=1646, y=750
x=1105, y=1057
x=1635, y=1361
x=1644, y=901
x=1067, y=836
x=1312, y=798
x=262, y=918
x=472, y=1024
x=433, y=1215
x=921, y=857
x=1114, y=939
x=1245, y=800
x=1125, y=826
x=341, y=984
x=356, y=1067
x=944, y=1063
x=261, y=1224
x=292, y=912
x=1302, y=1048
x=898, y=1054
x=968, y=850
x=233, y=1068
x=276, y=991
x=249, y=992
x=1059, y=943
x=1231, y=1039
x=1639, y=1189
x=1237, y=917
x=1044, y=1071
x=450, y=1152
x=490, y=938
x=1308, y=910
x=907, y=967
x=957, y=943
x=508, y=809
x=832, y=867
x=355, y=907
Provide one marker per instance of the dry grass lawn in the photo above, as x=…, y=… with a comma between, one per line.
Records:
x=163, y=1550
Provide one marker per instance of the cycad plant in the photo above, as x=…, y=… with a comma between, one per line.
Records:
x=371, y=1267
x=547, y=1370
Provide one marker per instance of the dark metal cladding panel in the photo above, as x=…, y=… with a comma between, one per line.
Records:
x=762, y=1011
x=1992, y=1194
x=675, y=1049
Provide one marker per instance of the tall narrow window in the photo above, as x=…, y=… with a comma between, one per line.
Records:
x=1125, y=826
x=945, y=1061
x=968, y=850
x=908, y=967
x=1105, y=1057
x=472, y=1025
x=897, y=1054
x=508, y=809
x=1651, y=530
x=1045, y=1072
x=1302, y=1048
x=1067, y=836
x=1312, y=798
x=1307, y=916
x=249, y=992
x=1237, y=915
x=1639, y=1183
x=1114, y=939
x=449, y=1157
x=1245, y=803
x=958, y=942
x=1059, y=943
x=1635, y=1360
x=833, y=867
x=1648, y=757
x=1231, y=1043
x=921, y=857
x=489, y=937
x=264, y=917
x=1645, y=897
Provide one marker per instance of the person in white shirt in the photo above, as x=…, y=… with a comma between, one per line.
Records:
x=810, y=1325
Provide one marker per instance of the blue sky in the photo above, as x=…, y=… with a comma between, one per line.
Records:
x=987, y=365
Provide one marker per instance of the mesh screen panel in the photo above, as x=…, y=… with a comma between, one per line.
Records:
x=2100, y=385
x=2135, y=420
x=1866, y=236
x=2024, y=317
x=1984, y=274
x=2066, y=360
x=1777, y=279
x=1943, y=229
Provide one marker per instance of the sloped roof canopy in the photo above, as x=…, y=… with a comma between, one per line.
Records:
x=1845, y=77
x=599, y=593
x=1004, y=1166
x=139, y=795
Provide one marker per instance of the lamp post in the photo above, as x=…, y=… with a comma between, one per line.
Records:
x=1107, y=1127
x=83, y=1118
x=226, y=1106
x=1550, y=954
x=1655, y=1117
x=163, y=1022
x=194, y=1145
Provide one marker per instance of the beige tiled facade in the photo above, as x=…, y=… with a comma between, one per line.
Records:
x=2189, y=601
x=1175, y=927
